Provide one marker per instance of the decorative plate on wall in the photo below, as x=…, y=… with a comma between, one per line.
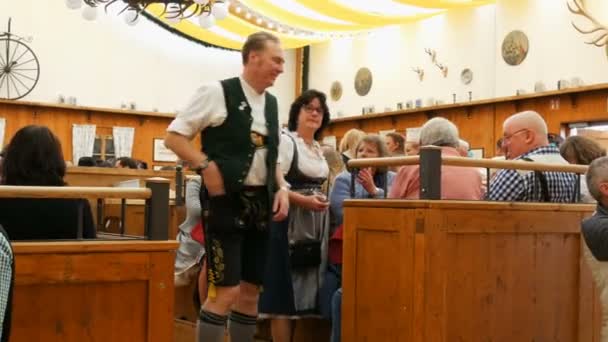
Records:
x=515, y=47
x=336, y=91
x=466, y=76
x=363, y=81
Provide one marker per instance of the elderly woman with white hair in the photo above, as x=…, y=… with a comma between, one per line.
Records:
x=461, y=183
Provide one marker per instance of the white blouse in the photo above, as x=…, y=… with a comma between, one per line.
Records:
x=207, y=108
x=311, y=161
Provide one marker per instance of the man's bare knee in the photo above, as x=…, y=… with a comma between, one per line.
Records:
x=248, y=299
x=223, y=301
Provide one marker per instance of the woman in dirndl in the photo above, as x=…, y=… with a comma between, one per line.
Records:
x=297, y=255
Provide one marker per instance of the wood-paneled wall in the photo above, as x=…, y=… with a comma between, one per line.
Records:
x=480, y=122
x=59, y=118
x=442, y=271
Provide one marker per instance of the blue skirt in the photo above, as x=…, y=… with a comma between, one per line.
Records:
x=276, y=298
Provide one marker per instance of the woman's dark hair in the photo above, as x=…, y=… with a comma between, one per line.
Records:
x=86, y=161
x=34, y=157
x=305, y=99
x=127, y=162
x=582, y=150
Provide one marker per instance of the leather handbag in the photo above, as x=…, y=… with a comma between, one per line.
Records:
x=305, y=253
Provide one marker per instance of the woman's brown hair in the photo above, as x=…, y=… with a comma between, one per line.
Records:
x=582, y=150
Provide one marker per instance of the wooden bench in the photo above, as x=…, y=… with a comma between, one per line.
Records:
x=441, y=271
x=93, y=291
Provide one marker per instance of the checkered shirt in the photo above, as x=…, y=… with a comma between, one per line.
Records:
x=6, y=273
x=522, y=186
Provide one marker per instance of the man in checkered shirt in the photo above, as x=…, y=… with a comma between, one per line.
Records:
x=525, y=138
x=6, y=280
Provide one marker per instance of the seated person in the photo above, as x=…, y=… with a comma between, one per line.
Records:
x=348, y=144
x=395, y=144
x=34, y=158
x=582, y=151
x=369, y=181
x=525, y=138
x=462, y=183
x=7, y=270
x=595, y=228
x=86, y=161
x=126, y=163
x=412, y=148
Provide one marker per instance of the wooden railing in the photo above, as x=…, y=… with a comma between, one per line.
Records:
x=156, y=196
x=431, y=160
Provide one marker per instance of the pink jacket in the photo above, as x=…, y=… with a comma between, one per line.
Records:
x=457, y=183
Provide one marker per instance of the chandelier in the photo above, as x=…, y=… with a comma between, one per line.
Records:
x=173, y=12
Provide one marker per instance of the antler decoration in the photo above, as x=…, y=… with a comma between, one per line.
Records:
x=431, y=53
x=420, y=73
x=599, y=40
x=443, y=68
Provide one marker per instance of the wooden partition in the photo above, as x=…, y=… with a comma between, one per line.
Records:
x=135, y=209
x=93, y=291
x=480, y=122
x=103, y=176
x=444, y=271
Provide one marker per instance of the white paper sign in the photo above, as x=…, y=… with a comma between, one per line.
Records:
x=161, y=153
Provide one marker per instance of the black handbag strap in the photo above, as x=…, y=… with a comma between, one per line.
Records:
x=544, y=187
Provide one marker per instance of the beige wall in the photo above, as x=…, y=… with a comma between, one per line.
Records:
x=106, y=62
x=465, y=38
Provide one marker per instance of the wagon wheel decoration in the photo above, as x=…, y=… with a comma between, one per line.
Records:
x=19, y=67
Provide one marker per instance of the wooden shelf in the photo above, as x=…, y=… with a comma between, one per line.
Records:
x=89, y=109
x=569, y=91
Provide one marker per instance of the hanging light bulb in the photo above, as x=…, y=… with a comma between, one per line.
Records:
x=89, y=13
x=248, y=16
x=73, y=4
x=131, y=18
x=220, y=10
x=206, y=21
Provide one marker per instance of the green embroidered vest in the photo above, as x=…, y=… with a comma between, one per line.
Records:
x=230, y=144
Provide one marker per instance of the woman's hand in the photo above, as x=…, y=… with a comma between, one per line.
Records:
x=365, y=177
x=317, y=202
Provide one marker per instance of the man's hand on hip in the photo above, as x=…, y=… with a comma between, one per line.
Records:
x=214, y=182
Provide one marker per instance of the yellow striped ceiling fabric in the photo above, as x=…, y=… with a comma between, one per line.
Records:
x=310, y=21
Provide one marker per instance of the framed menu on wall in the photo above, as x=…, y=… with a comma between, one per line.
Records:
x=162, y=154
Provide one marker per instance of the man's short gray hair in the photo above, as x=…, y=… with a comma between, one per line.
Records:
x=596, y=174
x=439, y=132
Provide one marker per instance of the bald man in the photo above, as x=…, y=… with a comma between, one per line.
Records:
x=525, y=138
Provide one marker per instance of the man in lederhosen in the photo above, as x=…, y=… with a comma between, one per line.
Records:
x=238, y=121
